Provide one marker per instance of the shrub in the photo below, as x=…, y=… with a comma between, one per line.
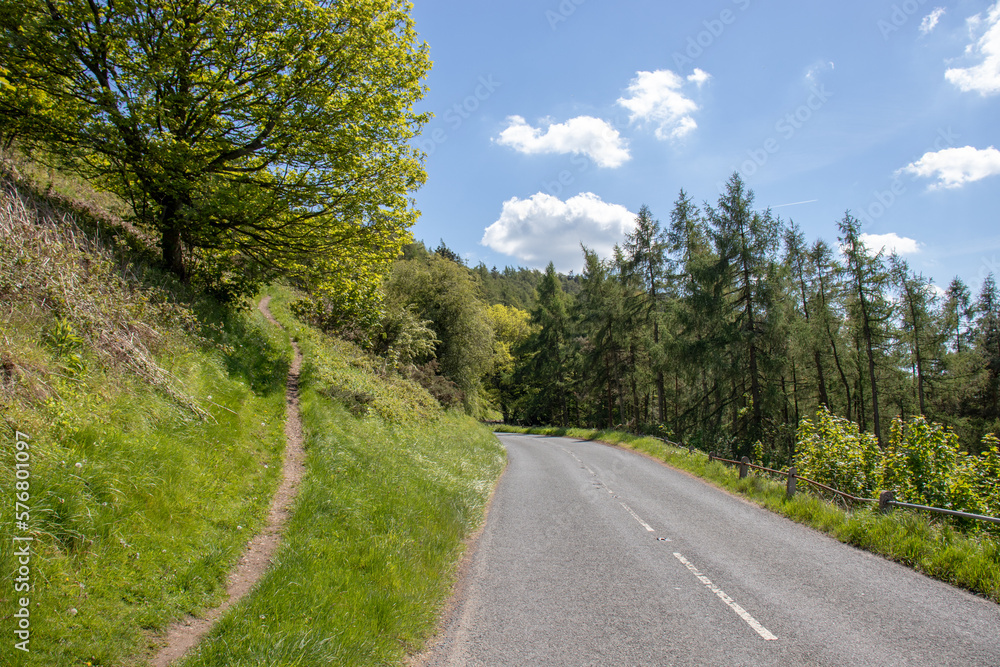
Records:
x=923, y=465
x=834, y=452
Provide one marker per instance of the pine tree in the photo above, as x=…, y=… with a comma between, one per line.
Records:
x=646, y=248
x=746, y=242
x=869, y=308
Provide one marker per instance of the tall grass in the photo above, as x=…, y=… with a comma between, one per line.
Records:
x=156, y=431
x=930, y=546
x=368, y=557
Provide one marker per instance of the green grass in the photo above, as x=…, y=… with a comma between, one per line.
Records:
x=930, y=546
x=156, y=431
x=156, y=423
x=368, y=558
x=138, y=506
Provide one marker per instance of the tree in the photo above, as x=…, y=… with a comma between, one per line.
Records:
x=917, y=299
x=746, y=242
x=870, y=309
x=511, y=327
x=988, y=345
x=801, y=272
x=646, y=247
x=958, y=311
x=266, y=134
x=545, y=351
x=443, y=295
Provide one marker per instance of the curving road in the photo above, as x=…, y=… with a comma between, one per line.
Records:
x=593, y=555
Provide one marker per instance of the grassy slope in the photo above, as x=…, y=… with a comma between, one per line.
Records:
x=929, y=546
x=157, y=433
x=153, y=452
x=378, y=526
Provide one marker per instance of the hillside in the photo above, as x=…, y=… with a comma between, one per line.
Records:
x=149, y=422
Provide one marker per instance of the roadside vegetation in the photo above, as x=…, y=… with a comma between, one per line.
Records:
x=968, y=558
x=155, y=427
x=155, y=416
x=369, y=557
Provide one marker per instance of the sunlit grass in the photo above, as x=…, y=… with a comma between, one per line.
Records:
x=139, y=507
x=368, y=558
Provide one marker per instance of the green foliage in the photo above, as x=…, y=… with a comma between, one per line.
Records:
x=252, y=138
x=985, y=475
x=342, y=371
x=67, y=344
x=834, y=452
x=404, y=339
x=922, y=465
x=443, y=293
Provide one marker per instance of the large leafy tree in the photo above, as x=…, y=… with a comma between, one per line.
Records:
x=246, y=134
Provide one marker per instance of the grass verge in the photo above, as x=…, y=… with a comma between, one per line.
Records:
x=138, y=506
x=368, y=557
x=929, y=546
x=155, y=429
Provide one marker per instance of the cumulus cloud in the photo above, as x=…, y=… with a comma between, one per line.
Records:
x=954, y=167
x=931, y=20
x=582, y=135
x=658, y=98
x=544, y=228
x=890, y=243
x=984, y=77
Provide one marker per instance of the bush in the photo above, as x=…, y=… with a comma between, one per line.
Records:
x=834, y=452
x=923, y=465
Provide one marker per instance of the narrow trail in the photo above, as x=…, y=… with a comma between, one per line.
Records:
x=185, y=634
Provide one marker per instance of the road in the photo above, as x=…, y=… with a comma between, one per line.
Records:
x=594, y=555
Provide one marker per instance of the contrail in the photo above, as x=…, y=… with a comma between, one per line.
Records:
x=796, y=203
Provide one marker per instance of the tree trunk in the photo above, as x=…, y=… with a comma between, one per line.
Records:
x=173, y=255
x=824, y=399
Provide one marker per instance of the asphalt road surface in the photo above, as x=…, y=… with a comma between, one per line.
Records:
x=593, y=555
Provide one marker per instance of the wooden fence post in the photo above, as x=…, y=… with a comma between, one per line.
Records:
x=884, y=499
x=711, y=455
x=790, y=485
x=744, y=463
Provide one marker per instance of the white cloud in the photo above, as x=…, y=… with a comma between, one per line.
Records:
x=954, y=167
x=658, y=98
x=931, y=20
x=585, y=134
x=983, y=78
x=699, y=76
x=544, y=228
x=890, y=243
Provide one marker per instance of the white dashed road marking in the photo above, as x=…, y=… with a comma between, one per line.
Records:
x=636, y=517
x=740, y=611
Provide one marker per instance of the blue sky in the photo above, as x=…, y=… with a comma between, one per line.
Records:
x=555, y=121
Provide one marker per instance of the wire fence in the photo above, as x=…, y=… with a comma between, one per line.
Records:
x=885, y=501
